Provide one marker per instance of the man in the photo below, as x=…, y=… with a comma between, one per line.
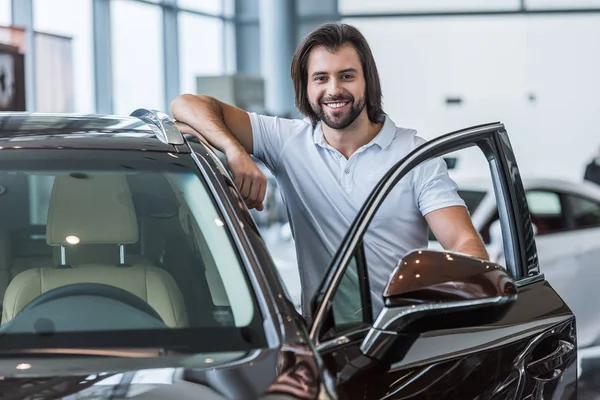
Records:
x=592, y=171
x=327, y=164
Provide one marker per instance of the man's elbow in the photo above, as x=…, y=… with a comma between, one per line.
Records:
x=183, y=103
x=473, y=246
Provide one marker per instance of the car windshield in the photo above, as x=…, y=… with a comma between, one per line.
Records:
x=132, y=242
x=472, y=200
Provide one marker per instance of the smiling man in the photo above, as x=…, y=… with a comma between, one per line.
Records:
x=327, y=164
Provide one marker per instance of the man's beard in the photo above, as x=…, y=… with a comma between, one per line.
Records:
x=340, y=122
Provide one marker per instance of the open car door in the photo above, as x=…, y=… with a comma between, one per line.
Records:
x=452, y=326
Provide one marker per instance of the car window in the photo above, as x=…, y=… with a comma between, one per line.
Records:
x=472, y=200
x=138, y=237
x=584, y=213
x=546, y=211
x=347, y=304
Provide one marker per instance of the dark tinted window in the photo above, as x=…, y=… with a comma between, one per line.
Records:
x=546, y=211
x=472, y=200
x=585, y=213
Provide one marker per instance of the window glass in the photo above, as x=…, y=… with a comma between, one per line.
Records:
x=142, y=227
x=382, y=6
x=347, y=301
x=64, y=63
x=564, y=4
x=546, y=211
x=472, y=200
x=207, y=6
x=585, y=212
x=201, y=49
x=546, y=203
x=5, y=12
x=137, y=58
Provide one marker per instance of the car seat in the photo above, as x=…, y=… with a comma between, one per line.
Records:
x=95, y=209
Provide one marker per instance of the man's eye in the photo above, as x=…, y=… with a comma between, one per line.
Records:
x=320, y=78
x=348, y=76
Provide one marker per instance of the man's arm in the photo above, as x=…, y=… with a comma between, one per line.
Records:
x=454, y=230
x=228, y=129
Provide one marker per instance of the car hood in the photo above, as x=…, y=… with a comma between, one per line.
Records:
x=287, y=373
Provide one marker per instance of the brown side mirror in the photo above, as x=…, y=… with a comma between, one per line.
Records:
x=428, y=285
x=427, y=276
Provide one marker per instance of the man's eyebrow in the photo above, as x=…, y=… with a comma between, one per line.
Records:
x=342, y=71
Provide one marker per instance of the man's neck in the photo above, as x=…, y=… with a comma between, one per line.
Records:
x=353, y=137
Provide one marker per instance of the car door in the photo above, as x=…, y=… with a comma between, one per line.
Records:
x=484, y=333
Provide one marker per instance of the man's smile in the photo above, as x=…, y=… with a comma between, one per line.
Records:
x=337, y=106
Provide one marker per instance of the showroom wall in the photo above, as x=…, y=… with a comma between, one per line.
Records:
x=536, y=73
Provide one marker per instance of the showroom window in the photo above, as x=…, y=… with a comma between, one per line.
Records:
x=584, y=212
x=200, y=48
x=390, y=6
x=137, y=56
x=207, y=6
x=64, y=63
x=5, y=13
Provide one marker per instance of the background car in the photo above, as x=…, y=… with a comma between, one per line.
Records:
x=128, y=249
x=566, y=219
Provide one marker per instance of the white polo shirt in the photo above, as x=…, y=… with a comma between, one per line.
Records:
x=323, y=192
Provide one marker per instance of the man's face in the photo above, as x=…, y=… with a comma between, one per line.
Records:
x=336, y=85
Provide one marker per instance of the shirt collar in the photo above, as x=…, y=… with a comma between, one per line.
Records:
x=383, y=139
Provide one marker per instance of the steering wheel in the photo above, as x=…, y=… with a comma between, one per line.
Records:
x=93, y=289
x=70, y=304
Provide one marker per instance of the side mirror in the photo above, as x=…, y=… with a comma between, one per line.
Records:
x=427, y=285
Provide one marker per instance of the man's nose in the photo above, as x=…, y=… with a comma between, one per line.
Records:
x=335, y=87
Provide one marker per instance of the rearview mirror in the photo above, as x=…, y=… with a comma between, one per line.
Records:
x=426, y=285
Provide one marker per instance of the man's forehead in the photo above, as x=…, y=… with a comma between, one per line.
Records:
x=328, y=60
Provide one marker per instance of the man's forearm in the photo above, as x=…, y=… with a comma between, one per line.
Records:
x=473, y=247
x=204, y=116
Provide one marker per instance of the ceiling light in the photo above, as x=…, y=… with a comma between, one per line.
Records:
x=72, y=239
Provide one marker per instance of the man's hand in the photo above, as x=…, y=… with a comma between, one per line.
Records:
x=248, y=178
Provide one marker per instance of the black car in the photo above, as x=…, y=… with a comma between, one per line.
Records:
x=131, y=268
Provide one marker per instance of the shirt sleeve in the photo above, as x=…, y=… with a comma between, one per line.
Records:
x=269, y=136
x=433, y=187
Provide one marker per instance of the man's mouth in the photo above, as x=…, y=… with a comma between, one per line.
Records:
x=337, y=105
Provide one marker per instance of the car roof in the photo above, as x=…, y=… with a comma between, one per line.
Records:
x=562, y=185
x=19, y=130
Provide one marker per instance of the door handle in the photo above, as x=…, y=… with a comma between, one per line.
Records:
x=552, y=365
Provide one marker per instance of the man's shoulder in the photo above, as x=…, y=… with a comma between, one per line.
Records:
x=282, y=122
x=407, y=138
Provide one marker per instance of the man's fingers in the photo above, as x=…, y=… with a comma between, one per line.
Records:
x=245, y=188
x=261, y=195
x=254, y=193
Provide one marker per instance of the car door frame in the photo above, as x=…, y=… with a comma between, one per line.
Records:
x=520, y=250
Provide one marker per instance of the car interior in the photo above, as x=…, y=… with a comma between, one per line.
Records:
x=133, y=232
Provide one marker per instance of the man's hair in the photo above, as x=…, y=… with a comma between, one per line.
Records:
x=333, y=36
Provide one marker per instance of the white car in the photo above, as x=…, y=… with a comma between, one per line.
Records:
x=566, y=218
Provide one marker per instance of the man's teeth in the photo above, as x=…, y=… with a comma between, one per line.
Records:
x=337, y=105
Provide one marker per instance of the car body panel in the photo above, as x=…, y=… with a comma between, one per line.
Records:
x=123, y=373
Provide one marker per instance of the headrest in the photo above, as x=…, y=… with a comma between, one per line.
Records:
x=91, y=209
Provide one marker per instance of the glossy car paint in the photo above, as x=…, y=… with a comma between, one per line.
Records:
x=432, y=363
x=486, y=359
x=418, y=279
